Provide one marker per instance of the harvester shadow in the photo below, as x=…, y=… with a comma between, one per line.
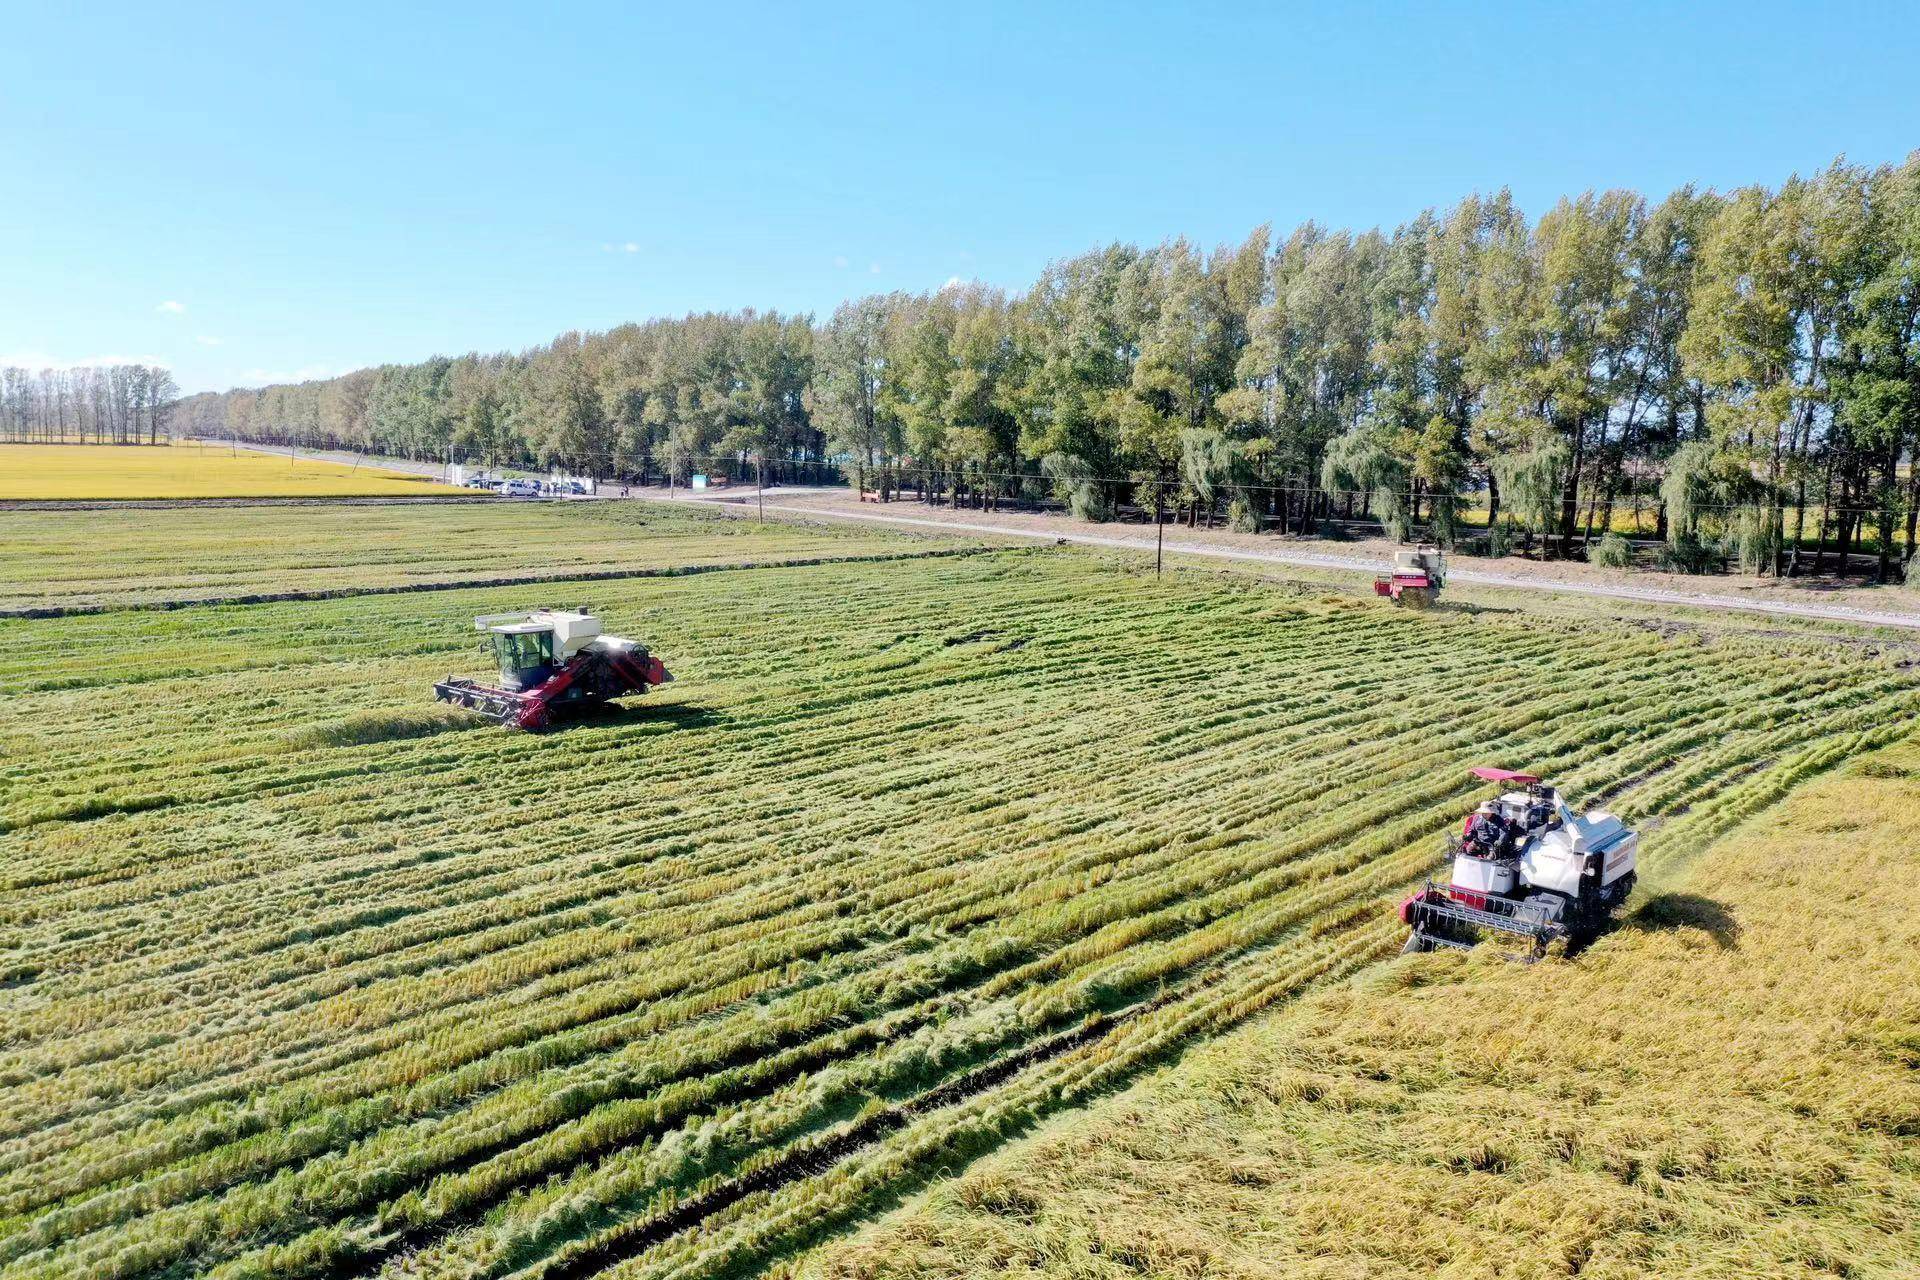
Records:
x=1688, y=911
x=672, y=716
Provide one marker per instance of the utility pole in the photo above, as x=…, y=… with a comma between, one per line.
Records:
x=1159, y=523
x=760, y=481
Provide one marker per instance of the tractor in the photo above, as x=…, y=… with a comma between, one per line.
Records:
x=1525, y=866
x=552, y=663
x=1416, y=578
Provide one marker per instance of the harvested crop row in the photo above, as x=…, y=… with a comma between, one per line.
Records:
x=85, y=559
x=300, y=1001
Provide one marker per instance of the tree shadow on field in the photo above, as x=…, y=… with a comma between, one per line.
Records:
x=1688, y=911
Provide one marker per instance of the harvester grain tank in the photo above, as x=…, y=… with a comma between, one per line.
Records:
x=1418, y=574
x=1525, y=865
x=552, y=662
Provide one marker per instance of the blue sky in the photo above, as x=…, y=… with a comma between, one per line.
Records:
x=252, y=196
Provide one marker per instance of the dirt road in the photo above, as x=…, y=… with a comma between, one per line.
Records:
x=1220, y=544
x=1859, y=606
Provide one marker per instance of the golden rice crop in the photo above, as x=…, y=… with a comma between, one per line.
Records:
x=1725, y=1087
x=65, y=471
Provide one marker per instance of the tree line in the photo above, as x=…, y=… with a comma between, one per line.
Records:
x=108, y=404
x=1742, y=367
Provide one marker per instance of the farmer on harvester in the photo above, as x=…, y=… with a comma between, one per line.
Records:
x=1486, y=834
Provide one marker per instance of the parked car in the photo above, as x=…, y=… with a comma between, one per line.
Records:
x=519, y=488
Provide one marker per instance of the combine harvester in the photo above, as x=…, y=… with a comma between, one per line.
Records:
x=1416, y=579
x=1526, y=866
x=551, y=663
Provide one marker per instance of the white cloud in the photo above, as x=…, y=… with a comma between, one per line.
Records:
x=841, y=261
x=206, y=340
x=41, y=360
x=952, y=281
x=172, y=308
x=631, y=247
x=873, y=268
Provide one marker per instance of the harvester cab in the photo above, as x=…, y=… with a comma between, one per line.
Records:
x=552, y=661
x=1418, y=574
x=1525, y=865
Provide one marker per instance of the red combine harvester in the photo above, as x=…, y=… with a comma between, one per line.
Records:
x=1525, y=866
x=1416, y=578
x=552, y=662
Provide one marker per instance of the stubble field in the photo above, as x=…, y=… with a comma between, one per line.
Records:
x=304, y=976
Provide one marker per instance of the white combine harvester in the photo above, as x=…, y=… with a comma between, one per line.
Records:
x=1527, y=866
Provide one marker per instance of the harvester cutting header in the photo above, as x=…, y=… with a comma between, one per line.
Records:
x=552, y=662
x=1527, y=866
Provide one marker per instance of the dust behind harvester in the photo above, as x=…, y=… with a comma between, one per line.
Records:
x=552, y=662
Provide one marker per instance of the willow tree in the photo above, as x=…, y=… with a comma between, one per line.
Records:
x=1360, y=462
x=1532, y=478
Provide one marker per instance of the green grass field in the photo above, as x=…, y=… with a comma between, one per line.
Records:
x=305, y=976
x=71, y=471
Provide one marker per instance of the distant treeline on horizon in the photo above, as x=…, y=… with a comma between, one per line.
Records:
x=91, y=404
x=1748, y=361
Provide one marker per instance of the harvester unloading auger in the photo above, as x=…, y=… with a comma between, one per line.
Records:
x=1526, y=866
x=552, y=662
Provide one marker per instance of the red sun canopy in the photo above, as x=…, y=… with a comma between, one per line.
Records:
x=1502, y=775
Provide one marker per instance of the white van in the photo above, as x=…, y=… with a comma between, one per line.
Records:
x=520, y=488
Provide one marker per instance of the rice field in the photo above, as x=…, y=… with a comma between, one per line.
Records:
x=85, y=559
x=304, y=976
x=1727, y=1087
x=103, y=471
